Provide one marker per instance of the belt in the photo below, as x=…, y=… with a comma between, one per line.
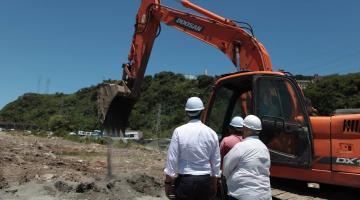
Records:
x=188, y=175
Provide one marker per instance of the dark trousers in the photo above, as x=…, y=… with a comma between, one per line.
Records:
x=190, y=187
x=223, y=189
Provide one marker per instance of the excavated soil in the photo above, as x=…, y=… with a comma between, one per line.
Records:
x=52, y=168
x=35, y=168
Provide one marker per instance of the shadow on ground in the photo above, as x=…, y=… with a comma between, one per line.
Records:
x=290, y=189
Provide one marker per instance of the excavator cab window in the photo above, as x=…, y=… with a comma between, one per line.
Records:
x=233, y=98
x=278, y=102
x=286, y=130
x=220, y=109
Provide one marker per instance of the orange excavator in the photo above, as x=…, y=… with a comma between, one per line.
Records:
x=320, y=149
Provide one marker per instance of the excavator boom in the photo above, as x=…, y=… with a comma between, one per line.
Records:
x=246, y=53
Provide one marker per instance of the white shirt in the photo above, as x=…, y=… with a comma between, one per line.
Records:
x=246, y=168
x=194, y=149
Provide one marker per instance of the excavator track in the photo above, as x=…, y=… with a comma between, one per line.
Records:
x=283, y=189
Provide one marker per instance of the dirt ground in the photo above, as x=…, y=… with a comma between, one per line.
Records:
x=35, y=168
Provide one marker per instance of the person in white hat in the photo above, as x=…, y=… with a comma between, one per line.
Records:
x=193, y=158
x=247, y=165
x=227, y=143
x=235, y=130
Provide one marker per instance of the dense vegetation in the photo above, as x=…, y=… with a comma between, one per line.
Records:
x=164, y=94
x=335, y=92
x=59, y=111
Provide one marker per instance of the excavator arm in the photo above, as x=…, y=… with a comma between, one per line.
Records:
x=245, y=52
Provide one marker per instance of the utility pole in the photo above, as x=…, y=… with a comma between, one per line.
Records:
x=158, y=123
x=109, y=157
x=61, y=105
x=39, y=81
x=47, y=86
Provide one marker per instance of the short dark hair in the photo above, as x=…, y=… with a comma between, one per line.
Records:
x=194, y=114
x=235, y=129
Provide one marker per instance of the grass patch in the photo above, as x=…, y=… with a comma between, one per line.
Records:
x=81, y=153
x=85, y=140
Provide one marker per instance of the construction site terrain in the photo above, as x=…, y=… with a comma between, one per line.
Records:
x=52, y=168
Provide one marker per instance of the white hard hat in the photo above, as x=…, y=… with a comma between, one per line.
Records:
x=252, y=122
x=237, y=122
x=194, y=104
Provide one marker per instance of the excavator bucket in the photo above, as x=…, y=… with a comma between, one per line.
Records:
x=114, y=106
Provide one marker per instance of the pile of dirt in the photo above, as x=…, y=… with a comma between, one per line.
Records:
x=145, y=185
x=63, y=186
x=3, y=183
x=52, y=168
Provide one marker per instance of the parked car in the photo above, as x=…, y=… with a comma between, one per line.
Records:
x=96, y=134
x=72, y=133
x=133, y=135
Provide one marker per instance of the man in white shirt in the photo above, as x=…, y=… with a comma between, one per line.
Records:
x=246, y=166
x=193, y=158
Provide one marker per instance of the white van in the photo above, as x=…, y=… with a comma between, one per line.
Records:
x=133, y=135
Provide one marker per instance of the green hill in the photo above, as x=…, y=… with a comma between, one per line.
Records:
x=78, y=111
x=165, y=92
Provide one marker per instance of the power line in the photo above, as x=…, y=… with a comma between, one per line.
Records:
x=333, y=63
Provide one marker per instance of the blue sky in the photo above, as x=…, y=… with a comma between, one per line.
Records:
x=49, y=46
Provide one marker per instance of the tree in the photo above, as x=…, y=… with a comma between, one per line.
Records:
x=59, y=123
x=335, y=92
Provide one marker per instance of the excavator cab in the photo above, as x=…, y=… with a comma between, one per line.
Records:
x=279, y=103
